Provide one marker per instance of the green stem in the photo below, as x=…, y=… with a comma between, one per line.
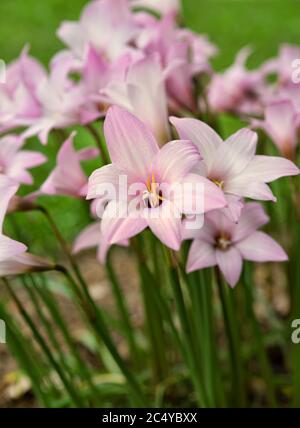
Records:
x=194, y=366
x=27, y=358
x=123, y=311
x=99, y=327
x=262, y=354
x=200, y=286
x=238, y=390
x=154, y=322
x=76, y=400
x=55, y=313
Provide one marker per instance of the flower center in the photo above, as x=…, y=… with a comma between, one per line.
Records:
x=219, y=183
x=223, y=242
x=152, y=197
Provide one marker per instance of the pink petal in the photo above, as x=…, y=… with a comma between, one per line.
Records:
x=205, y=138
x=175, y=160
x=233, y=156
x=201, y=255
x=10, y=248
x=149, y=102
x=9, y=146
x=130, y=144
x=244, y=142
x=8, y=188
x=118, y=224
x=67, y=178
x=24, y=263
x=269, y=168
x=233, y=208
x=23, y=160
x=197, y=195
x=260, y=247
x=88, y=238
x=253, y=216
x=230, y=264
x=72, y=34
x=242, y=186
x=105, y=180
x=165, y=223
x=280, y=124
x=192, y=227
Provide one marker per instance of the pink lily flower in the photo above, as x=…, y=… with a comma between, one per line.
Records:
x=14, y=162
x=136, y=157
x=97, y=74
x=13, y=257
x=107, y=26
x=232, y=164
x=146, y=101
x=68, y=178
x=164, y=7
x=282, y=124
x=91, y=237
x=237, y=90
x=225, y=244
x=61, y=100
x=183, y=55
x=18, y=102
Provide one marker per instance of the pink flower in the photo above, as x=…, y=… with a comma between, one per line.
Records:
x=91, y=237
x=237, y=89
x=18, y=102
x=13, y=258
x=281, y=124
x=232, y=164
x=183, y=55
x=225, y=244
x=136, y=156
x=15, y=162
x=60, y=99
x=96, y=74
x=107, y=26
x=142, y=91
x=68, y=178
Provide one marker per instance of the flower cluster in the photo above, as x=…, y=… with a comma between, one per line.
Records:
x=152, y=83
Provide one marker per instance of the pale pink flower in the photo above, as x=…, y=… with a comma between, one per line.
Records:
x=15, y=162
x=142, y=91
x=232, y=164
x=135, y=155
x=68, y=177
x=61, y=99
x=18, y=102
x=91, y=237
x=225, y=244
x=238, y=89
x=282, y=124
x=96, y=74
x=13, y=257
x=183, y=55
x=107, y=26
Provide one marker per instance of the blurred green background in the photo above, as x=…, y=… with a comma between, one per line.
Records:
x=230, y=24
